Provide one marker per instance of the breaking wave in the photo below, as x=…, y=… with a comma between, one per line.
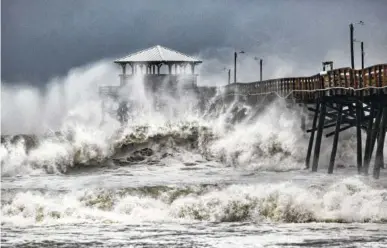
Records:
x=71, y=138
x=272, y=140
x=349, y=200
x=265, y=137
x=80, y=138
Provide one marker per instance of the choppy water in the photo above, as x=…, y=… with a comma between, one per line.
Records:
x=148, y=206
x=178, y=178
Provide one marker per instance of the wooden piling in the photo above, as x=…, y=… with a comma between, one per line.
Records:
x=367, y=150
x=358, y=135
x=320, y=128
x=335, y=139
x=379, y=150
x=311, y=139
x=374, y=134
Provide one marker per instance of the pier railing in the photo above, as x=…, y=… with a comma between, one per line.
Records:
x=338, y=82
x=111, y=91
x=341, y=81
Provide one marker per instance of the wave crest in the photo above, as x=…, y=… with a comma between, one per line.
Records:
x=349, y=200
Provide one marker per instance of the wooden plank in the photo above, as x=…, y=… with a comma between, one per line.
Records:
x=330, y=82
x=385, y=78
x=310, y=88
x=346, y=78
x=380, y=83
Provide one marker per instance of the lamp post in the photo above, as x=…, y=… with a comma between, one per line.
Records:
x=235, y=65
x=351, y=40
x=260, y=68
x=362, y=52
x=351, y=29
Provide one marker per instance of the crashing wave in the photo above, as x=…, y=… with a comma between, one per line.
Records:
x=235, y=134
x=349, y=200
x=62, y=152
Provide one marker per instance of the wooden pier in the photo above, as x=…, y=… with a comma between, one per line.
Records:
x=342, y=98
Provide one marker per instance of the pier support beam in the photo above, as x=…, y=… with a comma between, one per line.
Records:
x=320, y=128
x=358, y=136
x=367, y=150
x=379, y=150
x=374, y=134
x=311, y=139
x=335, y=140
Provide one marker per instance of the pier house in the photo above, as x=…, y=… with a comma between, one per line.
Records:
x=159, y=67
x=160, y=70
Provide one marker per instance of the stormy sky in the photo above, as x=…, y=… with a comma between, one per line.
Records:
x=42, y=39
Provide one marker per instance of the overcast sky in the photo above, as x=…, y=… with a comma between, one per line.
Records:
x=42, y=39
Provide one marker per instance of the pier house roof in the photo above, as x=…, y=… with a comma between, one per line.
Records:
x=157, y=54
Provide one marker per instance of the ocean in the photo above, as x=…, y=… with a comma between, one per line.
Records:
x=179, y=177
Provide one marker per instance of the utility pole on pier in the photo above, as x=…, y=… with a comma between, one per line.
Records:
x=235, y=69
x=351, y=44
x=362, y=54
x=260, y=69
x=235, y=65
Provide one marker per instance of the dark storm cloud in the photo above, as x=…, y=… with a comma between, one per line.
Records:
x=46, y=38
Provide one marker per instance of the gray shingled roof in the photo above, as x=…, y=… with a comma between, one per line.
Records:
x=157, y=54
